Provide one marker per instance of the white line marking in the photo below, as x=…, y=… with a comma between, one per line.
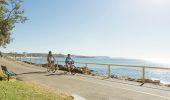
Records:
x=125, y=89
x=77, y=97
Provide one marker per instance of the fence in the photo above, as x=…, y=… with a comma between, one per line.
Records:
x=119, y=65
x=143, y=68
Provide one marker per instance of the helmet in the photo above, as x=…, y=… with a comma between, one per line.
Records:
x=50, y=52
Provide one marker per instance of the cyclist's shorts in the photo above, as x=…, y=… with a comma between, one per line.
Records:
x=50, y=62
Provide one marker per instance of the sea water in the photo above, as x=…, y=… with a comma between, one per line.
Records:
x=155, y=74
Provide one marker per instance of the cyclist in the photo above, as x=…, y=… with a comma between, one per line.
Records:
x=68, y=60
x=70, y=64
x=50, y=58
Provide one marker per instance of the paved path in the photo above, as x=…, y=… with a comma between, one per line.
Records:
x=89, y=87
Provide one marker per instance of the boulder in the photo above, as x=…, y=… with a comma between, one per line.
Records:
x=114, y=76
x=123, y=78
x=85, y=70
x=149, y=81
x=131, y=79
x=29, y=62
x=81, y=70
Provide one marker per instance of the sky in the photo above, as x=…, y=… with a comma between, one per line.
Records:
x=115, y=28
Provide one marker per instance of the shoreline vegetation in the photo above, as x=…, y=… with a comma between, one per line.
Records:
x=87, y=71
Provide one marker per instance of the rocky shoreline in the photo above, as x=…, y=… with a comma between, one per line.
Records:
x=87, y=71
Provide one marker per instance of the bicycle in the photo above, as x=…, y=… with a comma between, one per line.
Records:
x=70, y=68
x=52, y=68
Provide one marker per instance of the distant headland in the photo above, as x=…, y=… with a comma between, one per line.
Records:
x=25, y=54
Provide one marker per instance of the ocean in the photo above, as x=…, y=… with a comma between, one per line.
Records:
x=154, y=74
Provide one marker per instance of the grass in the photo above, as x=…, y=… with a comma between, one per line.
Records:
x=20, y=90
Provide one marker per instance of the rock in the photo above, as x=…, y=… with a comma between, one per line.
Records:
x=114, y=76
x=149, y=81
x=85, y=70
x=139, y=80
x=131, y=79
x=81, y=70
x=124, y=78
x=61, y=67
x=29, y=62
x=152, y=81
x=155, y=81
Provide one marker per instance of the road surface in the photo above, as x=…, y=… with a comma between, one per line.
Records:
x=86, y=87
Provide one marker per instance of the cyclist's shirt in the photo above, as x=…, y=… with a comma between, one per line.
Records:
x=49, y=59
x=69, y=60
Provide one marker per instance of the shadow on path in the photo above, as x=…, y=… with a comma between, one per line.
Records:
x=53, y=74
x=37, y=72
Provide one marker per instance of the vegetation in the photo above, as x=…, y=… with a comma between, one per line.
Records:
x=11, y=13
x=19, y=90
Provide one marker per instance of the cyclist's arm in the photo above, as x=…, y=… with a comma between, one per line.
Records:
x=66, y=61
x=72, y=60
x=54, y=58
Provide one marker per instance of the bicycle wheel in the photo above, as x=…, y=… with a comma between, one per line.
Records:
x=48, y=68
x=65, y=69
x=53, y=68
x=73, y=70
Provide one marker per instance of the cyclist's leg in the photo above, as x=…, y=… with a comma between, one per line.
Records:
x=49, y=63
x=68, y=67
x=73, y=70
x=49, y=66
x=53, y=67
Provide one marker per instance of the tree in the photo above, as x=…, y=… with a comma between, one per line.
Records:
x=11, y=13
